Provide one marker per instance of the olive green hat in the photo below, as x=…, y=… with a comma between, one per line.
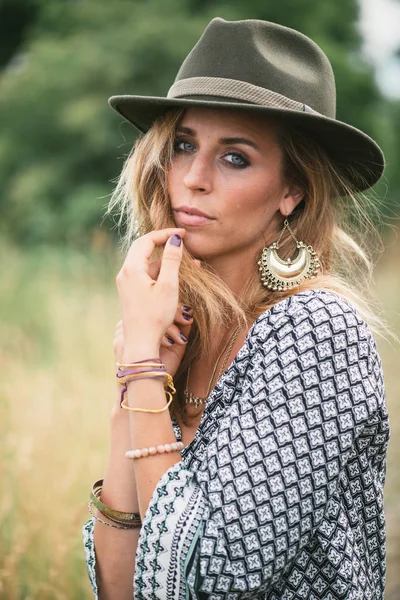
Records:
x=264, y=68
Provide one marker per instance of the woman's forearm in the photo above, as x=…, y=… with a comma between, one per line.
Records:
x=116, y=548
x=147, y=430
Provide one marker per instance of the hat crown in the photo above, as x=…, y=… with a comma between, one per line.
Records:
x=265, y=69
x=266, y=55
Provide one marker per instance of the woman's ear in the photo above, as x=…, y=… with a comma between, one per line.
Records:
x=293, y=195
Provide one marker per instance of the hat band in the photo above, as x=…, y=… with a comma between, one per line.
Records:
x=236, y=90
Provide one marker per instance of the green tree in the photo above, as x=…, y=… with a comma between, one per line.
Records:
x=61, y=146
x=16, y=16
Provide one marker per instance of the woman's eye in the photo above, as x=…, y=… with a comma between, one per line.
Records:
x=236, y=160
x=183, y=146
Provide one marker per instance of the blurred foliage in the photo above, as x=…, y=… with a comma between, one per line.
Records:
x=61, y=146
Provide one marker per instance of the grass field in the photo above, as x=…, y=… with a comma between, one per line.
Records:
x=58, y=312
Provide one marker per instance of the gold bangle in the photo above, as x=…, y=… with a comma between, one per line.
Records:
x=113, y=525
x=148, y=375
x=148, y=410
x=97, y=489
x=169, y=383
x=131, y=524
x=131, y=520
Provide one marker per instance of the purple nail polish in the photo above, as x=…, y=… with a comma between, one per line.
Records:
x=186, y=307
x=183, y=337
x=175, y=240
x=186, y=316
x=171, y=341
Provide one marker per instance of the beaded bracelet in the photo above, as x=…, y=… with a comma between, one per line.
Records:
x=160, y=449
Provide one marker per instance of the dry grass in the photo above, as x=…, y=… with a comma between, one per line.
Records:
x=58, y=312
x=388, y=286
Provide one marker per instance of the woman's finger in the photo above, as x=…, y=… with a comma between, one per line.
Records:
x=154, y=269
x=142, y=249
x=184, y=315
x=182, y=324
x=175, y=335
x=168, y=277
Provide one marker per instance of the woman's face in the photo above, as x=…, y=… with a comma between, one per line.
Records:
x=227, y=166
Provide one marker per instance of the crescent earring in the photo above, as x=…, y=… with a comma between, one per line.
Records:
x=278, y=274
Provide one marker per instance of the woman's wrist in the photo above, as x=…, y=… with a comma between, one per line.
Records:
x=140, y=351
x=118, y=415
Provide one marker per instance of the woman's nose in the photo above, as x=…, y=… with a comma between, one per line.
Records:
x=198, y=175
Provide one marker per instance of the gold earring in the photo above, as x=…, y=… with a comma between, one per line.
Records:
x=278, y=274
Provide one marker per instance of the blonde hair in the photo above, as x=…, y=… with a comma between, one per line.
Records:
x=338, y=223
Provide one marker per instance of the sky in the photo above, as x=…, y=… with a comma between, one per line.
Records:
x=380, y=26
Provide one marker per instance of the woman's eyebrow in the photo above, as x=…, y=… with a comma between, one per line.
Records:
x=226, y=141
x=182, y=129
x=238, y=140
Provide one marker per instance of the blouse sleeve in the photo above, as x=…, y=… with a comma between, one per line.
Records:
x=90, y=556
x=280, y=475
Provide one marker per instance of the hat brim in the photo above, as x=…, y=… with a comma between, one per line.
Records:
x=351, y=150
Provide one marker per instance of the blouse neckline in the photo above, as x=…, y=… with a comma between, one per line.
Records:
x=239, y=355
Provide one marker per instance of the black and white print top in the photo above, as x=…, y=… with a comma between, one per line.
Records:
x=280, y=494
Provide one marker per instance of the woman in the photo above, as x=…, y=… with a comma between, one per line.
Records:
x=262, y=475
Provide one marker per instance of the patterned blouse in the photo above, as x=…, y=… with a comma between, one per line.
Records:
x=280, y=494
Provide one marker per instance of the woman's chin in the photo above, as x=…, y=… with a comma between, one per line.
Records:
x=198, y=250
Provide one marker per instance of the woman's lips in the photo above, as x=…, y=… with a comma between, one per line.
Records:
x=185, y=218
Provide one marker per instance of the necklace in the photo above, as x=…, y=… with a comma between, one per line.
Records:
x=196, y=400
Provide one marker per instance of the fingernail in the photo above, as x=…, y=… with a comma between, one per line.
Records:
x=171, y=341
x=186, y=316
x=187, y=308
x=175, y=240
x=183, y=337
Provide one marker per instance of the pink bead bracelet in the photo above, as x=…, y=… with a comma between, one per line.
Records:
x=160, y=449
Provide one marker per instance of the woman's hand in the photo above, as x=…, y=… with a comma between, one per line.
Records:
x=148, y=305
x=172, y=346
